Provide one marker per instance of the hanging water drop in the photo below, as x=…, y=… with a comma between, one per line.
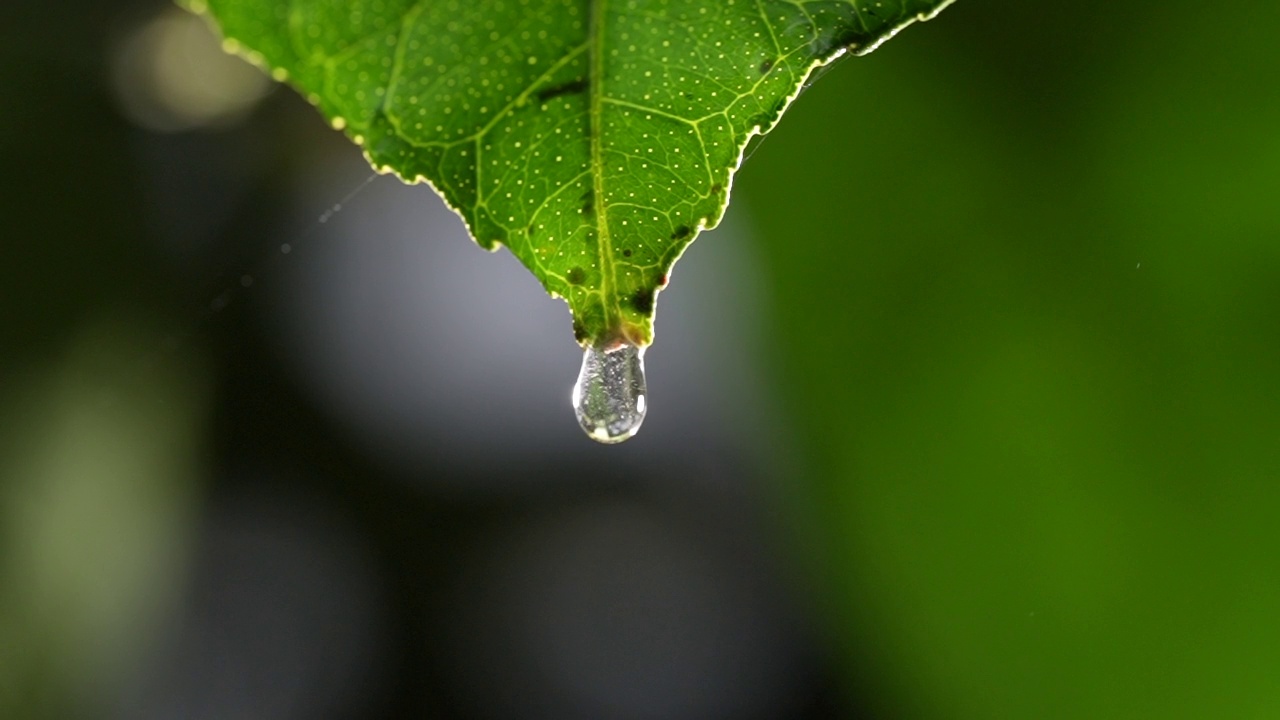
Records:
x=609, y=395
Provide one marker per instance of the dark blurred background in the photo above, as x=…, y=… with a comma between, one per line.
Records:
x=968, y=410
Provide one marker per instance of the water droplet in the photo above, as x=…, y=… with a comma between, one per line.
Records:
x=609, y=395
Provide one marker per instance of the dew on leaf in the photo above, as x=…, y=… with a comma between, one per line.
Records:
x=596, y=145
x=609, y=397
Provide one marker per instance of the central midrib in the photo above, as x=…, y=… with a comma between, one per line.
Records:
x=604, y=241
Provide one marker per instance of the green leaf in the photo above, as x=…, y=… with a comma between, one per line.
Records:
x=594, y=138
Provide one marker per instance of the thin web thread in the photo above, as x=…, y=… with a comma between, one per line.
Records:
x=263, y=267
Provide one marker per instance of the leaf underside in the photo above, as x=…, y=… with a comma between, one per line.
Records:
x=594, y=138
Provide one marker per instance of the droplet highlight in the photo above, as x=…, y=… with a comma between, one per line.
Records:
x=609, y=395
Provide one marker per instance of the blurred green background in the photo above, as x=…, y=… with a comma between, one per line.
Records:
x=1027, y=285
x=992, y=337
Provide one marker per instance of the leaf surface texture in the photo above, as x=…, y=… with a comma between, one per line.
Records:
x=594, y=138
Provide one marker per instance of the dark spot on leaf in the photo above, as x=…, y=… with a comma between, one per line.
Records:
x=661, y=280
x=579, y=330
x=716, y=189
x=626, y=253
x=681, y=232
x=569, y=88
x=766, y=66
x=824, y=46
x=642, y=301
x=768, y=118
x=530, y=230
x=588, y=202
x=576, y=276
